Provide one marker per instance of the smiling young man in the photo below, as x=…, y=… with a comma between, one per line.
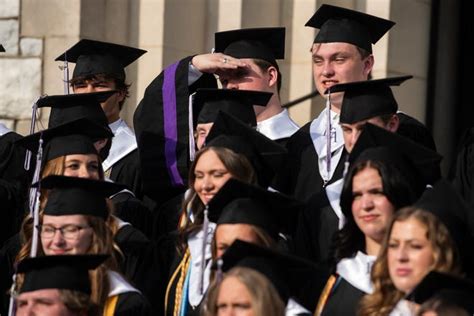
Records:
x=341, y=53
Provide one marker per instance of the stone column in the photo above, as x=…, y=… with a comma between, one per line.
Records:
x=20, y=66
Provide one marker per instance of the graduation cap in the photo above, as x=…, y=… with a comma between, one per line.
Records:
x=63, y=272
x=286, y=272
x=455, y=290
x=265, y=155
x=419, y=162
x=343, y=25
x=95, y=57
x=75, y=137
x=258, y=43
x=366, y=99
x=70, y=107
x=238, y=103
x=242, y=203
x=445, y=202
x=72, y=195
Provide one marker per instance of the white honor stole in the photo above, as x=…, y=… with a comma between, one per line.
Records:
x=318, y=135
x=123, y=143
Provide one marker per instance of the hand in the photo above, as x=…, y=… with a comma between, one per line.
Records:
x=216, y=63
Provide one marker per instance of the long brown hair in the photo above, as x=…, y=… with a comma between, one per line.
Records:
x=446, y=259
x=238, y=166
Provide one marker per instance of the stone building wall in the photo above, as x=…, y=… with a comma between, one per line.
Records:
x=20, y=68
x=35, y=32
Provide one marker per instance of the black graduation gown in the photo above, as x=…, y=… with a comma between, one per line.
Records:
x=301, y=178
x=127, y=171
x=317, y=225
x=415, y=130
x=154, y=270
x=131, y=210
x=7, y=257
x=161, y=126
x=133, y=245
x=343, y=300
x=282, y=141
x=14, y=184
x=131, y=304
x=166, y=217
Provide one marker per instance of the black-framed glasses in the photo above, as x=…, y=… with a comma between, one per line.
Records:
x=70, y=231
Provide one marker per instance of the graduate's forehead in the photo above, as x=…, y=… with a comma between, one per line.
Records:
x=330, y=49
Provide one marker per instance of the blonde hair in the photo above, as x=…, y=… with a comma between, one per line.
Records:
x=445, y=255
x=264, y=296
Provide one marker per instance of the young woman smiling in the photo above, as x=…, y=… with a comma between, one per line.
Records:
x=233, y=150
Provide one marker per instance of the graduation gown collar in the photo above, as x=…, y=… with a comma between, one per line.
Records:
x=403, y=308
x=118, y=284
x=293, y=308
x=120, y=223
x=333, y=192
x=357, y=270
x=123, y=143
x=4, y=130
x=195, y=243
x=278, y=126
x=318, y=135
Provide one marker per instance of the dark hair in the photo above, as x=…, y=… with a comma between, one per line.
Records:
x=363, y=52
x=264, y=65
x=363, y=55
x=119, y=81
x=385, y=118
x=396, y=188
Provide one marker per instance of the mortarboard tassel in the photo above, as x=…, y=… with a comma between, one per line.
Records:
x=65, y=69
x=205, y=227
x=192, y=145
x=26, y=165
x=328, y=138
x=219, y=274
x=34, y=199
x=11, y=306
x=346, y=167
